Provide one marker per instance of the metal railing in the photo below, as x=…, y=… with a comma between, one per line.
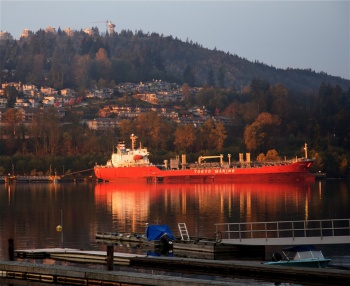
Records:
x=284, y=229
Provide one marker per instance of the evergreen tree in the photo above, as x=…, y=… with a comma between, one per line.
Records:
x=211, y=80
x=221, y=77
x=189, y=76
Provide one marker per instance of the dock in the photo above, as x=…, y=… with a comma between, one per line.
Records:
x=195, y=247
x=11, y=272
x=326, y=231
x=247, y=240
x=72, y=275
x=44, y=179
x=75, y=255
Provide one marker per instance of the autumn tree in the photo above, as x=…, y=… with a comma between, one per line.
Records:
x=219, y=136
x=205, y=131
x=45, y=131
x=103, y=66
x=185, y=138
x=211, y=136
x=126, y=128
x=82, y=70
x=14, y=128
x=153, y=130
x=272, y=155
x=261, y=133
x=186, y=92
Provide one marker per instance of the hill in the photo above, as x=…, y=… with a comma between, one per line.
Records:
x=80, y=60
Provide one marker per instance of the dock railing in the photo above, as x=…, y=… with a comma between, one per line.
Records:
x=284, y=229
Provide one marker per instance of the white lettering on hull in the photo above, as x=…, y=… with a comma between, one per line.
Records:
x=214, y=171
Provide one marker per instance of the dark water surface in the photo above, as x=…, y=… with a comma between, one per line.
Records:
x=29, y=213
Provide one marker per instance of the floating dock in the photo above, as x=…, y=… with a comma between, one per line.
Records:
x=196, y=247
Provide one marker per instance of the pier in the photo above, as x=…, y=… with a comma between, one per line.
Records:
x=328, y=231
x=241, y=237
x=254, y=240
x=43, y=179
x=163, y=269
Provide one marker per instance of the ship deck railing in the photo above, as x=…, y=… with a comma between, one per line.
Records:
x=327, y=231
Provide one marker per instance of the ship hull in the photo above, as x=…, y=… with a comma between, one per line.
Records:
x=298, y=171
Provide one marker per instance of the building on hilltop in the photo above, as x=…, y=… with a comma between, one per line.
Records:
x=26, y=33
x=5, y=36
x=89, y=31
x=50, y=29
x=69, y=32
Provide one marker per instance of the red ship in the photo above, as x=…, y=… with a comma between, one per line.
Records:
x=134, y=165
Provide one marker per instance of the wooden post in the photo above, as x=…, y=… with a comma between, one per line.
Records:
x=110, y=258
x=11, y=249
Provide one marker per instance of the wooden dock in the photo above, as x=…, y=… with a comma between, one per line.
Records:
x=71, y=275
x=195, y=247
x=22, y=273
x=75, y=255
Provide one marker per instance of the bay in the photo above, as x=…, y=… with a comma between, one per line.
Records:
x=30, y=213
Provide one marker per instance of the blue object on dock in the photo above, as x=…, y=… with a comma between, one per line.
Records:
x=155, y=232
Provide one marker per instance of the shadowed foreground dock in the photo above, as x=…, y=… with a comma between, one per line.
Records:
x=68, y=275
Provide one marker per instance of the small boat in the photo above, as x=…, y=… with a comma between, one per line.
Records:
x=302, y=255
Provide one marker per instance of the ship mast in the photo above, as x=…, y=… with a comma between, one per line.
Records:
x=305, y=149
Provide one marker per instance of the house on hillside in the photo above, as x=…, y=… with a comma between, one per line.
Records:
x=3, y=102
x=30, y=90
x=102, y=124
x=68, y=92
x=48, y=91
x=48, y=100
x=17, y=85
x=22, y=102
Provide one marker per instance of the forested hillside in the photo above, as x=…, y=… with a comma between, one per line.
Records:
x=268, y=109
x=81, y=61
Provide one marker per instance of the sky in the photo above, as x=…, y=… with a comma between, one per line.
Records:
x=285, y=34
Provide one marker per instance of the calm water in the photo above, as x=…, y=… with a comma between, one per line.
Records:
x=29, y=213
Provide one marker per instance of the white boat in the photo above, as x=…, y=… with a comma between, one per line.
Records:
x=303, y=256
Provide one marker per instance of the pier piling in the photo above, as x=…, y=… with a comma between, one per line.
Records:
x=11, y=248
x=110, y=261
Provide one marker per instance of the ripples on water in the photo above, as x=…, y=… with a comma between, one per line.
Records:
x=30, y=212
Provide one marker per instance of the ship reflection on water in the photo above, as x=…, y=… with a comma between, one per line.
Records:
x=200, y=206
x=29, y=213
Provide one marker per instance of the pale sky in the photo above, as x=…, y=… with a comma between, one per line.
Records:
x=296, y=34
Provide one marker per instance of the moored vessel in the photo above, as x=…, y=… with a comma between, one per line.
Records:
x=133, y=164
x=301, y=256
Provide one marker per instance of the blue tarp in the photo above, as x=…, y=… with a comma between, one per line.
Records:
x=155, y=232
